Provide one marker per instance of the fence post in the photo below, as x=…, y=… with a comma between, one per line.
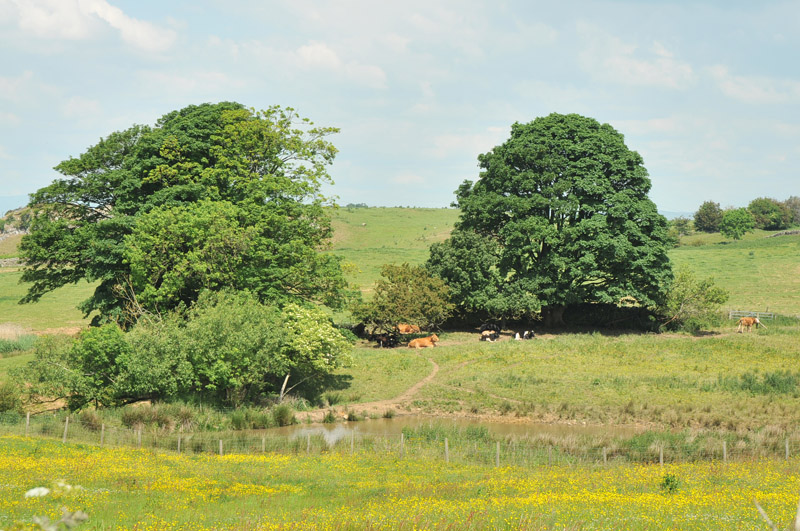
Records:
x=725, y=451
x=263, y=444
x=352, y=442
x=549, y=456
x=308, y=443
x=139, y=437
x=661, y=455
x=66, y=425
x=402, y=444
x=605, y=456
x=497, y=455
x=27, y=422
x=787, y=448
x=446, y=451
x=102, y=434
x=220, y=447
x=179, y=444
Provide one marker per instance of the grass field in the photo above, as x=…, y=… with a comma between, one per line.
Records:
x=724, y=380
x=371, y=237
x=56, y=311
x=761, y=274
x=135, y=489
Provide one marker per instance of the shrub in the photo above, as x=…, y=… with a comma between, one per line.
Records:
x=330, y=417
x=90, y=420
x=669, y=484
x=10, y=398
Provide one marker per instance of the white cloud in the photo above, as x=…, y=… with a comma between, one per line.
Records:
x=468, y=144
x=138, y=33
x=83, y=19
x=608, y=58
x=408, y=178
x=190, y=84
x=756, y=89
x=82, y=108
x=318, y=55
x=16, y=88
x=9, y=118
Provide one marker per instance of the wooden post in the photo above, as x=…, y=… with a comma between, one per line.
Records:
x=352, y=443
x=308, y=443
x=263, y=444
x=446, y=451
x=549, y=456
x=66, y=425
x=27, y=422
x=402, y=444
x=605, y=456
x=661, y=455
x=220, y=447
x=139, y=436
x=179, y=444
x=787, y=448
x=497, y=455
x=102, y=434
x=725, y=451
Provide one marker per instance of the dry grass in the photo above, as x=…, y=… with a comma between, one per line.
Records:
x=11, y=331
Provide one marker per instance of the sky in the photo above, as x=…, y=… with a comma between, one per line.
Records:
x=707, y=92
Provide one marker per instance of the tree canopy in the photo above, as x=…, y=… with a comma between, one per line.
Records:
x=770, y=214
x=211, y=196
x=737, y=222
x=565, y=203
x=708, y=217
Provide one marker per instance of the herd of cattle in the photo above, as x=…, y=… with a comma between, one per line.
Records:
x=488, y=332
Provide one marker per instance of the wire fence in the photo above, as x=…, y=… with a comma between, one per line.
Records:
x=475, y=446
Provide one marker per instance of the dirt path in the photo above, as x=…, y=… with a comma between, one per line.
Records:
x=380, y=406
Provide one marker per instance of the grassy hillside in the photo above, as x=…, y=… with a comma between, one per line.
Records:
x=761, y=274
x=56, y=311
x=370, y=237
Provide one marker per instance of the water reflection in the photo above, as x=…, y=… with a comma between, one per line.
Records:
x=333, y=433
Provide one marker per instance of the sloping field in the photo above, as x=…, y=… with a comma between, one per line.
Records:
x=371, y=237
x=761, y=274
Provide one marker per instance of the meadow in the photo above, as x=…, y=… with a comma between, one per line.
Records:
x=140, y=489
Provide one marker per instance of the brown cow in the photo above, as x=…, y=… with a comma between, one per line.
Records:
x=422, y=342
x=407, y=328
x=747, y=322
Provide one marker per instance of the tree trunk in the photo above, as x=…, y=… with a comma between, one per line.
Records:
x=553, y=316
x=283, y=387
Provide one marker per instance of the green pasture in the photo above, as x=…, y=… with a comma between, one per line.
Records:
x=368, y=238
x=721, y=380
x=760, y=273
x=55, y=312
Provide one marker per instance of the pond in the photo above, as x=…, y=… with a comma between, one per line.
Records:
x=391, y=428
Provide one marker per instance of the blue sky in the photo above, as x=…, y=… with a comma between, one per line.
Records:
x=707, y=92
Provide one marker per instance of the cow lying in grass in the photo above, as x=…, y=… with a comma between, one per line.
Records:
x=407, y=328
x=423, y=342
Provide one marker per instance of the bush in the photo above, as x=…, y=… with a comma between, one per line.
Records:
x=19, y=344
x=669, y=484
x=10, y=398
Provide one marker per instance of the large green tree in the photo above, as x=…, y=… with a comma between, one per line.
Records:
x=770, y=214
x=737, y=222
x=708, y=217
x=566, y=202
x=212, y=196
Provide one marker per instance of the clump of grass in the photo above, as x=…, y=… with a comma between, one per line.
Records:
x=90, y=420
x=283, y=415
x=388, y=414
x=330, y=417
